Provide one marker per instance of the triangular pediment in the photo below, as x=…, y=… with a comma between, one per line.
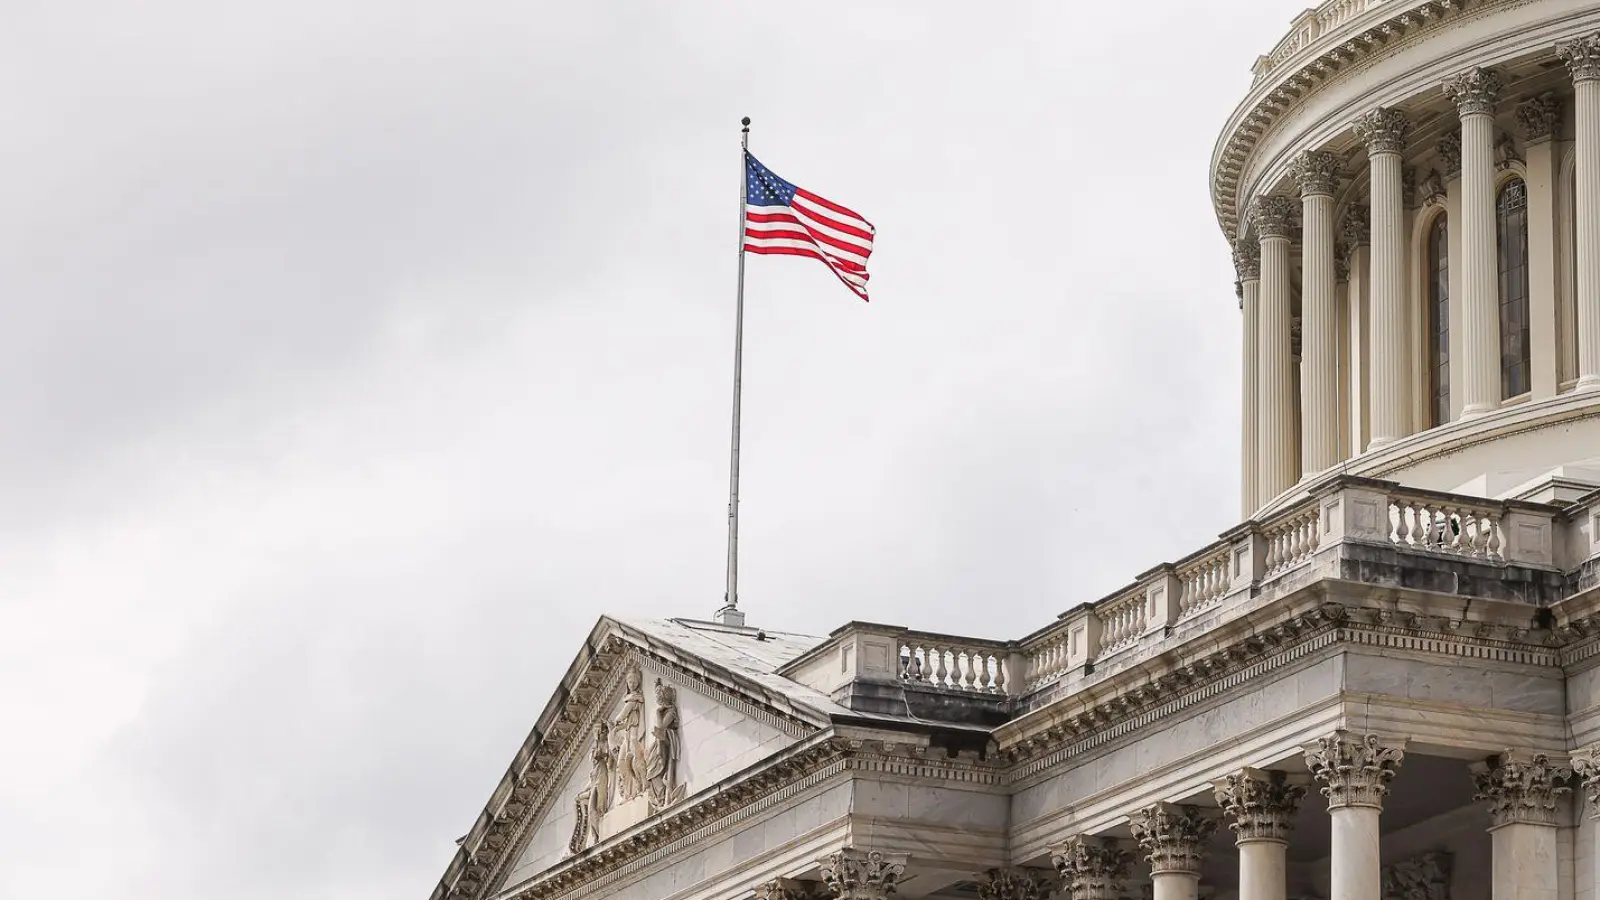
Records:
x=650, y=715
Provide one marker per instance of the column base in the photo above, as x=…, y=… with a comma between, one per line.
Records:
x=1472, y=412
x=1588, y=383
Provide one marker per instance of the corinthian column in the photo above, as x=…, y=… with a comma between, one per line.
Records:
x=1475, y=93
x=1262, y=806
x=1587, y=767
x=1355, y=773
x=1173, y=839
x=1317, y=172
x=1091, y=868
x=1247, y=266
x=852, y=874
x=1275, y=455
x=1522, y=793
x=1583, y=60
x=1384, y=132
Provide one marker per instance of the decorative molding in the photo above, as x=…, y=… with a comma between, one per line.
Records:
x=1356, y=226
x=1092, y=868
x=1449, y=150
x=1172, y=837
x=787, y=889
x=1383, y=130
x=1422, y=877
x=852, y=874
x=1520, y=791
x=1317, y=173
x=1408, y=187
x=1505, y=152
x=1582, y=57
x=1261, y=805
x=1431, y=191
x=1354, y=771
x=1539, y=117
x=1341, y=263
x=1247, y=260
x=1475, y=91
x=1586, y=766
x=1273, y=217
x=1022, y=883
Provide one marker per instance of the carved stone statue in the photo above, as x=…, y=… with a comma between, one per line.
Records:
x=627, y=735
x=661, y=762
x=594, y=801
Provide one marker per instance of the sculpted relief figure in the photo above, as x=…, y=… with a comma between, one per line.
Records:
x=661, y=762
x=627, y=734
x=594, y=801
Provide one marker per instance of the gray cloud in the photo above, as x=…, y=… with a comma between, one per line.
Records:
x=356, y=357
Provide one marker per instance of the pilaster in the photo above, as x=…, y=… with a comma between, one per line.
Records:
x=853, y=874
x=1092, y=868
x=1538, y=118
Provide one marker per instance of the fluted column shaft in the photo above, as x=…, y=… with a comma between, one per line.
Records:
x=1261, y=807
x=1317, y=173
x=1384, y=132
x=1355, y=773
x=1247, y=263
x=1475, y=93
x=1583, y=60
x=1277, y=462
x=1522, y=795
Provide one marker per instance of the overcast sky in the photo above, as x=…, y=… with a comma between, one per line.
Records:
x=356, y=356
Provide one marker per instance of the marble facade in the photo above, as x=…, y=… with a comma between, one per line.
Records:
x=1383, y=684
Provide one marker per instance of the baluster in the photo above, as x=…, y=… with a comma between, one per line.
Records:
x=999, y=674
x=967, y=670
x=940, y=673
x=905, y=659
x=1492, y=547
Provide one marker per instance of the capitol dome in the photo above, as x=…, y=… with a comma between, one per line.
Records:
x=1412, y=192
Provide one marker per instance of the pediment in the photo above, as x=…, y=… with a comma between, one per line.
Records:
x=638, y=728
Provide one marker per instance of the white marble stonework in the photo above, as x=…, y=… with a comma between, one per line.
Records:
x=1383, y=680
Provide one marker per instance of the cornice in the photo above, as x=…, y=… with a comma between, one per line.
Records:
x=1348, y=49
x=1138, y=705
x=505, y=828
x=734, y=802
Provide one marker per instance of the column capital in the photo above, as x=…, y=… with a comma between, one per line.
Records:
x=1317, y=172
x=853, y=874
x=1247, y=260
x=1173, y=837
x=1021, y=883
x=785, y=889
x=1261, y=804
x=1449, y=149
x=1539, y=117
x=1521, y=789
x=1425, y=876
x=1383, y=130
x=1475, y=91
x=1586, y=765
x=1355, y=229
x=1273, y=217
x=1354, y=769
x=1582, y=57
x=1091, y=868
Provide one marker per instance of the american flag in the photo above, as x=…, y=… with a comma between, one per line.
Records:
x=780, y=218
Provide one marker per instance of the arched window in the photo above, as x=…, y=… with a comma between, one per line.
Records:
x=1439, y=319
x=1511, y=218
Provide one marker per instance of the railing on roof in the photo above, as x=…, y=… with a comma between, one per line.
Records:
x=1137, y=618
x=1307, y=28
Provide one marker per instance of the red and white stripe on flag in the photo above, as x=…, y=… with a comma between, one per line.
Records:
x=781, y=219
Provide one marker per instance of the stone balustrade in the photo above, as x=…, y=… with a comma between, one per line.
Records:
x=1209, y=588
x=1308, y=28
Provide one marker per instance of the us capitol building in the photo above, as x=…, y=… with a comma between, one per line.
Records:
x=1383, y=683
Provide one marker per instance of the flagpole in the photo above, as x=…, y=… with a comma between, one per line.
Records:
x=730, y=614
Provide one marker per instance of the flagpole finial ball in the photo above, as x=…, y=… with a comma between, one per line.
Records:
x=745, y=121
